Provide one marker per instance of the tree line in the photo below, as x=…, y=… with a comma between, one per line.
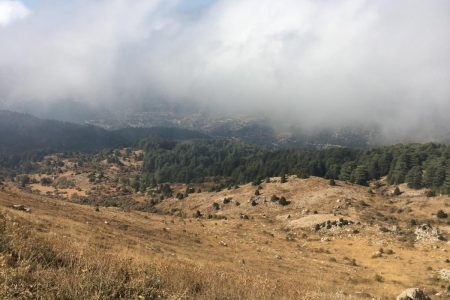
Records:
x=418, y=165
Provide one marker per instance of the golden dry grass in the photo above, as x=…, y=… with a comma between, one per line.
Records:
x=117, y=254
x=35, y=267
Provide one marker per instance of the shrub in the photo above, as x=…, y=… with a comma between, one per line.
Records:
x=256, y=182
x=430, y=193
x=227, y=200
x=384, y=229
x=283, y=201
x=23, y=180
x=46, y=181
x=216, y=206
x=379, y=278
x=441, y=214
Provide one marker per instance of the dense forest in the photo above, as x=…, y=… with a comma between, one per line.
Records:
x=419, y=165
x=24, y=138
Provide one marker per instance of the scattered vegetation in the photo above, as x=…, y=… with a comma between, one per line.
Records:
x=441, y=214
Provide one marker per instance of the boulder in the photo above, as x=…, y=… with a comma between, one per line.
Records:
x=413, y=294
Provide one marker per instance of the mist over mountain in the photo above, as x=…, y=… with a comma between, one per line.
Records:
x=371, y=66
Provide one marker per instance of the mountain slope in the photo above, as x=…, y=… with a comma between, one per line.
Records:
x=21, y=133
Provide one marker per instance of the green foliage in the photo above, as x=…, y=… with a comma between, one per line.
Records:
x=441, y=214
x=166, y=190
x=46, y=181
x=360, y=175
x=227, y=200
x=136, y=183
x=430, y=193
x=418, y=165
x=414, y=177
x=283, y=201
x=23, y=180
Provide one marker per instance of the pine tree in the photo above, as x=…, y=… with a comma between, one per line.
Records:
x=414, y=178
x=446, y=184
x=360, y=175
x=435, y=174
x=398, y=174
x=346, y=171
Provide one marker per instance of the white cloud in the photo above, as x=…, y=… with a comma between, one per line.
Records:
x=11, y=11
x=307, y=61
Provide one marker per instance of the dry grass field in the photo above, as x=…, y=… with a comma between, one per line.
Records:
x=246, y=247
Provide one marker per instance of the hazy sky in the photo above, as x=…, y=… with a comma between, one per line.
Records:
x=310, y=62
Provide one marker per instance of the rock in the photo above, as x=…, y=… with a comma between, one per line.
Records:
x=377, y=254
x=222, y=243
x=427, y=233
x=21, y=207
x=413, y=294
x=243, y=217
x=444, y=274
x=325, y=239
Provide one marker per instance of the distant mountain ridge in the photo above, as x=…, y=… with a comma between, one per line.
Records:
x=22, y=134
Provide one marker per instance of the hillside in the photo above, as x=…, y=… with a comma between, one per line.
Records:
x=367, y=247
x=24, y=137
x=22, y=133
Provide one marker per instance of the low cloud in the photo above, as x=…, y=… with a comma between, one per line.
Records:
x=308, y=63
x=11, y=11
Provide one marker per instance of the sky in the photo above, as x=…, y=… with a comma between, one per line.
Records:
x=311, y=63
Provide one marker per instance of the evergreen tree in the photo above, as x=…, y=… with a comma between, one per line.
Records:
x=446, y=184
x=360, y=175
x=398, y=173
x=414, y=178
x=346, y=171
